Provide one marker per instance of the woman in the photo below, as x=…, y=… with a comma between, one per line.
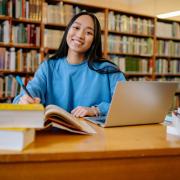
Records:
x=76, y=78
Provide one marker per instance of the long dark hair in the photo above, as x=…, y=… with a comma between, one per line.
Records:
x=94, y=54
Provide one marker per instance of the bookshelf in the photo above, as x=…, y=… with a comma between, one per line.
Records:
x=131, y=43
x=168, y=50
x=20, y=43
x=31, y=31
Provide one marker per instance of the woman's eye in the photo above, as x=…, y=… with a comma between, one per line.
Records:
x=89, y=33
x=75, y=27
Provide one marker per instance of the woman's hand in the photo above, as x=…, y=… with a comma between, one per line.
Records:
x=81, y=111
x=28, y=100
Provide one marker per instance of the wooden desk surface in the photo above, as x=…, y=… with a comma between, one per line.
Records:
x=140, y=150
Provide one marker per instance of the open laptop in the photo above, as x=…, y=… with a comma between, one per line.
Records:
x=138, y=102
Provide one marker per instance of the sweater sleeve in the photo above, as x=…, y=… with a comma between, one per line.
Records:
x=113, y=79
x=36, y=86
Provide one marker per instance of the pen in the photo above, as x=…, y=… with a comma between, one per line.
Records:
x=23, y=86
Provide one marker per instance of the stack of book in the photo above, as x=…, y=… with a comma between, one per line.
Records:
x=18, y=123
x=174, y=127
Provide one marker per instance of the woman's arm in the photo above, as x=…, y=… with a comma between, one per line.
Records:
x=103, y=107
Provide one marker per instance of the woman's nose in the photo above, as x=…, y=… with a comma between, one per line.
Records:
x=80, y=34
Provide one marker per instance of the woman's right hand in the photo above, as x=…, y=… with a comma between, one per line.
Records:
x=28, y=100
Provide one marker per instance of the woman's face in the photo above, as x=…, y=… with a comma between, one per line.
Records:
x=80, y=35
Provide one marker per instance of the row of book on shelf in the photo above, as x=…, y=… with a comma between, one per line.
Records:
x=168, y=48
x=164, y=66
x=29, y=9
x=19, y=60
x=144, y=65
x=131, y=45
x=168, y=29
x=21, y=33
x=128, y=24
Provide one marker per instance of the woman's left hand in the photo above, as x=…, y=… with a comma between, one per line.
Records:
x=81, y=111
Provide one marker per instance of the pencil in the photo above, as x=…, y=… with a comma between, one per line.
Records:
x=23, y=86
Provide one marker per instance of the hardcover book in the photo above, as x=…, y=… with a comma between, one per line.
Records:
x=16, y=138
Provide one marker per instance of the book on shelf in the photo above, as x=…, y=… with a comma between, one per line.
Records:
x=36, y=116
x=16, y=138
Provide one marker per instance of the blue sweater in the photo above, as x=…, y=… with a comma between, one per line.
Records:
x=71, y=85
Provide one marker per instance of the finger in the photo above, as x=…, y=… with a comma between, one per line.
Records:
x=37, y=100
x=76, y=112
x=26, y=100
x=79, y=112
x=22, y=101
x=75, y=109
x=82, y=113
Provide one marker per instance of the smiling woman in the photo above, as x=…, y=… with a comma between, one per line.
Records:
x=76, y=78
x=79, y=38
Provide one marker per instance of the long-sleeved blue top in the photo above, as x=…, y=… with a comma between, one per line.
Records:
x=71, y=85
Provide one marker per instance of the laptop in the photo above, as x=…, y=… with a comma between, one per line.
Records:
x=138, y=102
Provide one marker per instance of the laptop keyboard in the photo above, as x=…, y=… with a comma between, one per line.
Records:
x=98, y=119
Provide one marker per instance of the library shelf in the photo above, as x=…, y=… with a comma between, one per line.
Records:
x=133, y=27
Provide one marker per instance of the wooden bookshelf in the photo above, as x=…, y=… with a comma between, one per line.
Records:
x=167, y=49
x=131, y=35
x=139, y=31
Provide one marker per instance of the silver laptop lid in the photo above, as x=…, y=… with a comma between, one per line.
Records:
x=140, y=102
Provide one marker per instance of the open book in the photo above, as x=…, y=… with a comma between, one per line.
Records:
x=58, y=117
x=36, y=116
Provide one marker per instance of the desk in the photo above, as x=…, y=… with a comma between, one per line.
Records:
x=135, y=152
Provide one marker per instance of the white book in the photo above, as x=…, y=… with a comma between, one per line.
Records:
x=6, y=32
x=16, y=138
x=21, y=115
x=27, y=10
x=12, y=66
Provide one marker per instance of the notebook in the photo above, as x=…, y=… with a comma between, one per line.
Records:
x=138, y=102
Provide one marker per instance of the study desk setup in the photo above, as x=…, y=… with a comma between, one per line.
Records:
x=118, y=151
x=131, y=152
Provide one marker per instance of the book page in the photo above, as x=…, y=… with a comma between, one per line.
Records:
x=89, y=129
x=63, y=118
